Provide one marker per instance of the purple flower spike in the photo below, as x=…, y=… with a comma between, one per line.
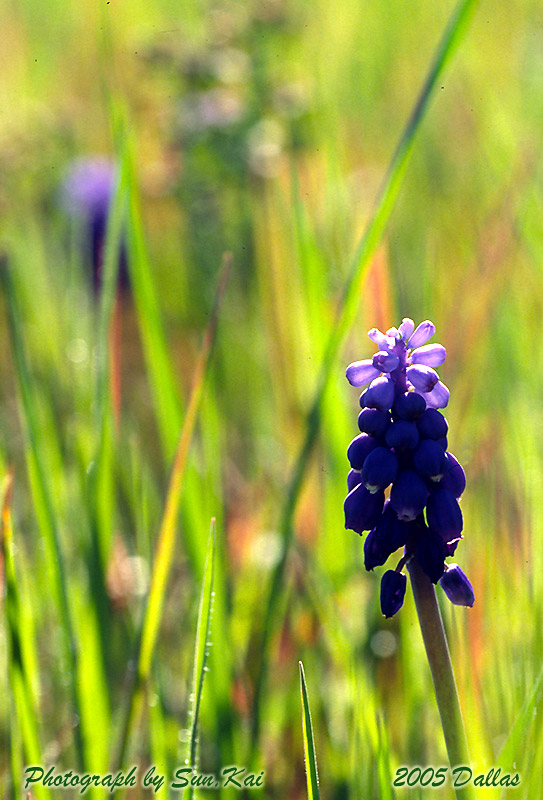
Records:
x=431, y=355
x=457, y=587
x=361, y=372
x=385, y=362
x=393, y=586
x=422, y=378
x=423, y=333
x=404, y=443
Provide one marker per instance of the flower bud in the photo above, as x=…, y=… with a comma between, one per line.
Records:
x=380, y=469
x=362, y=509
x=422, y=334
x=393, y=586
x=361, y=372
x=403, y=435
x=432, y=424
x=444, y=515
x=454, y=478
x=409, y=406
x=354, y=477
x=431, y=355
x=373, y=421
x=379, y=394
x=408, y=495
x=429, y=460
x=457, y=587
x=423, y=379
x=359, y=448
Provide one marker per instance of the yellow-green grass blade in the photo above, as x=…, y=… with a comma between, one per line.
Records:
x=201, y=650
x=312, y=776
x=345, y=317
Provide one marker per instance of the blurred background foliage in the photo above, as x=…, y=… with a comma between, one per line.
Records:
x=263, y=129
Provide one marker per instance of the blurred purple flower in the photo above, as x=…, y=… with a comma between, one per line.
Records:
x=86, y=194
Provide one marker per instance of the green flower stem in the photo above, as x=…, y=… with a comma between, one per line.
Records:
x=437, y=651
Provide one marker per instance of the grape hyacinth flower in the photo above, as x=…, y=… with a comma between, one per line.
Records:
x=403, y=444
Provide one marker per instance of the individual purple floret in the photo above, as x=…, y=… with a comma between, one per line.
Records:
x=404, y=443
x=393, y=586
x=456, y=586
x=86, y=194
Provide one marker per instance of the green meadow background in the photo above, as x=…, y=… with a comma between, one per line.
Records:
x=290, y=174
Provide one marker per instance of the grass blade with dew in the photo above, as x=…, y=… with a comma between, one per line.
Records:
x=168, y=527
x=312, y=775
x=346, y=314
x=201, y=650
x=24, y=723
x=42, y=499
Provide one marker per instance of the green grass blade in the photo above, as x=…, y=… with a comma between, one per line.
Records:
x=345, y=317
x=161, y=375
x=24, y=733
x=42, y=496
x=513, y=748
x=309, y=745
x=201, y=649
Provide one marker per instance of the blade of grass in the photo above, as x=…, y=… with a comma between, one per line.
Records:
x=166, y=537
x=162, y=380
x=201, y=650
x=312, y=775
x=42, y=499
x=24, y=726
x=530, y=711
x=346, y=313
